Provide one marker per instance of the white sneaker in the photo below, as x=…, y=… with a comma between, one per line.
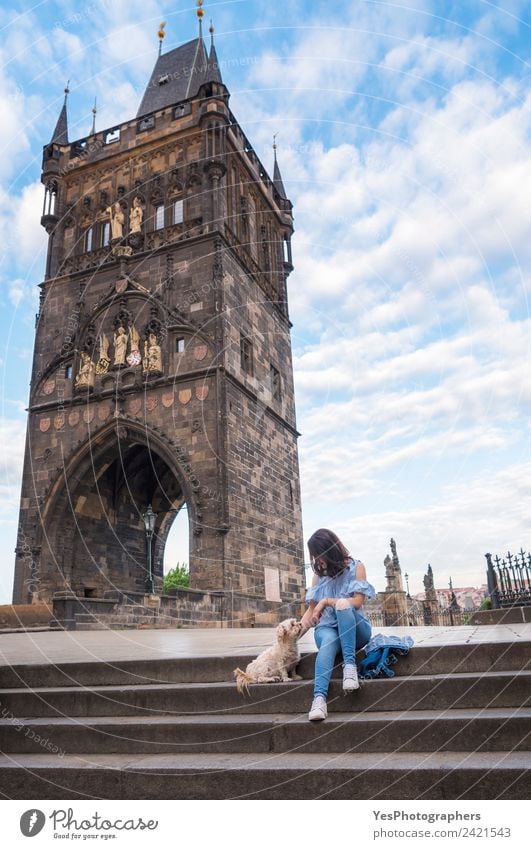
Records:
x=318, y=710
x=350, y=678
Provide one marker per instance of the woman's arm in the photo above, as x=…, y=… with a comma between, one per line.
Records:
x=355, y=600
x=307, y=619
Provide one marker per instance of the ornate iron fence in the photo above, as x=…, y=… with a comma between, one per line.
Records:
x=418, y=614
x=509, y=579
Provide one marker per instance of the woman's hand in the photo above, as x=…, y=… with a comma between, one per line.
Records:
x=306, y=620
x=318, y=610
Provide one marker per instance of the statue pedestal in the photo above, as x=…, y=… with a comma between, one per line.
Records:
x=136, y=240
x=120, y=250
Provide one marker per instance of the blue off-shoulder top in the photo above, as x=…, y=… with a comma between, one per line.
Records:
x=343, y=585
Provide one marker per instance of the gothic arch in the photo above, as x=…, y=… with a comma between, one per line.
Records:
x=115, y=300
x=91, y=532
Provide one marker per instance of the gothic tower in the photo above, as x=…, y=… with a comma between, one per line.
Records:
x=162, y=367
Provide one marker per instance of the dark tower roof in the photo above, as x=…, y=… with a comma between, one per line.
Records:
x=177, y=75
x=60, y=134
x=277, y=179
x=214, y=72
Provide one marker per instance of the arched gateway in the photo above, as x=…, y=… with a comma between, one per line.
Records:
x=162, y=370
x=92, y=531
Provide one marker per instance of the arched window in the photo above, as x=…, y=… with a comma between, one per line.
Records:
x=89, y=238
x=106, y=234
x=159, y=217
x=266, y=256
x=253, y=243
x=287, y=250
x=214, y=140
x=50, y=198
x=178, y=211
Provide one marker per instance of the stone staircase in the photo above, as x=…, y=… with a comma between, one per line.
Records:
x=455, y=723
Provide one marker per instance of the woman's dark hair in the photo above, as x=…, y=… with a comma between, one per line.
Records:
x=328, y=554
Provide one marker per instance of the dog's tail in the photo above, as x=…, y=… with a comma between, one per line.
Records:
x=242, y=681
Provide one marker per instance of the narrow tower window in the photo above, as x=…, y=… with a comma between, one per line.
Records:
x=178, y=211
x=276, y=386
x=106, y=234
x=159, y=217
x=88, y=239
x=246, y=354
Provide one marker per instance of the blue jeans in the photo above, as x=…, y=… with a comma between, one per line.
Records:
x=352, y=633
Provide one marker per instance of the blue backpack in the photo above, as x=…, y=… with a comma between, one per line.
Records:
x=382, y=652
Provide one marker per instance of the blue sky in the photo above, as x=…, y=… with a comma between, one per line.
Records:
x=404, y=133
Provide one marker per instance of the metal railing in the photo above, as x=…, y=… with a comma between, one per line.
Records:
x=420, y=615
x=509, y=579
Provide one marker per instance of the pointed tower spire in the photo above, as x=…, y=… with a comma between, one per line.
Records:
x=198, y=72
x=161, y=34
x=94, y=110
x=277, y=177
x=214, y=73
x=60, y=134
x=200, y=14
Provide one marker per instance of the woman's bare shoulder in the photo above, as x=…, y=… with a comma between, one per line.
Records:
x=361, y=572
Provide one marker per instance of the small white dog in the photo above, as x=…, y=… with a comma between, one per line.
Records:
x=273, y=664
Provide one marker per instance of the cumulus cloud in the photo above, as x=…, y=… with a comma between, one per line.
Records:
x=12, y=435
x=452, y=531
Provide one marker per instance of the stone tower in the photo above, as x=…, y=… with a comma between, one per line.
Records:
x=162, y=367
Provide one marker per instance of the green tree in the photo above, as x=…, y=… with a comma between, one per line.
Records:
x=177, y=577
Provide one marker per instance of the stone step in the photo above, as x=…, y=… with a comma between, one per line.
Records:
x=421, y=775
x=464, y=690
x=422, y=660
x=493, y=729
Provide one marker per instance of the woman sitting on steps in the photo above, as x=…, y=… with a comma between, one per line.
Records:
x=339, y=588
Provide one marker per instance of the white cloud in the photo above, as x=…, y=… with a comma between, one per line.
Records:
x=17, y=292
x=487, y=513
x=12, y=435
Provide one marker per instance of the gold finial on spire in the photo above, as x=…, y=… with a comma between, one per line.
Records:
x=94, y=111
x=275, y=144
x=161, y=34
x=67, y=87
x=200, y=14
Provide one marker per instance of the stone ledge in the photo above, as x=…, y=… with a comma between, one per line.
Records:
x=501, y=616
x=22, y=616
